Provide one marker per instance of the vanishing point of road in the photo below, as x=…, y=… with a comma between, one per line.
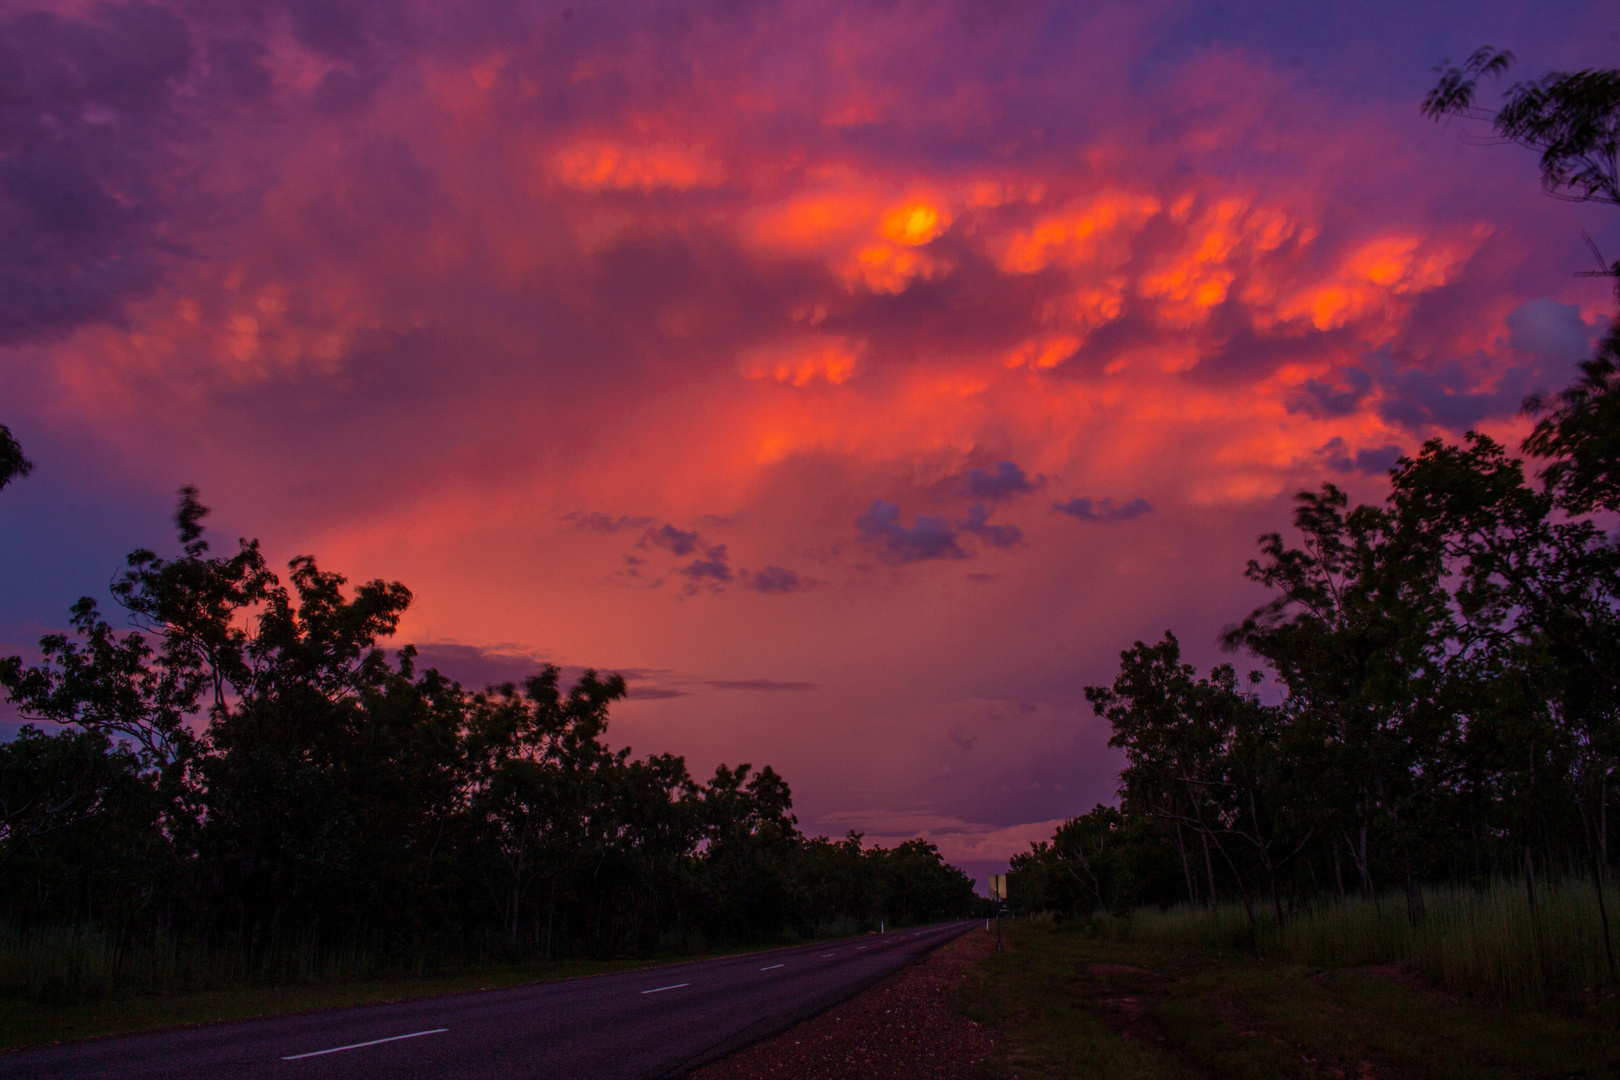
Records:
x=655, y=1022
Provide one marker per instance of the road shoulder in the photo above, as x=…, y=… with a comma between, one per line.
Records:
x=906, y=1025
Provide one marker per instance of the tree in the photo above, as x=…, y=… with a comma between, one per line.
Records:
x=13, y=465
x=1359, y=634
x=1203, y=755
x=1571, y=118
x=249, y=767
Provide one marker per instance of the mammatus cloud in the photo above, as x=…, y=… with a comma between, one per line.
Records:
x=403, y=284
x=1086, y=509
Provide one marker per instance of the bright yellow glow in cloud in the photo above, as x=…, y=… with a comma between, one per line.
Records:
x=916, y=223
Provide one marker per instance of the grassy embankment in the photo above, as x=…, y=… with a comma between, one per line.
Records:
x=1481, y=989
x=58, y=985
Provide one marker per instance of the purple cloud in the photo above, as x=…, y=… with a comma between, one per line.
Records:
x=929, y=537
x=1085, y=509
x=1005, y=480
x=774, y=579
x=602, y=523
x=978, y=523
x=677, y=542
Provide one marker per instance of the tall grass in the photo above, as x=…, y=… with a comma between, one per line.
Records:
x=75, y=964
x=1486, y=943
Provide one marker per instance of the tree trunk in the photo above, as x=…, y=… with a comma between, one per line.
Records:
x=1186, y=870
x=1209, y=867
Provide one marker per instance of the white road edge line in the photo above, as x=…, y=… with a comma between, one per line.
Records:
x=773, y=967
x=661, y=989
x=356, y=1046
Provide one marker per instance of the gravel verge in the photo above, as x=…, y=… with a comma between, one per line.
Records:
x=902, y=1027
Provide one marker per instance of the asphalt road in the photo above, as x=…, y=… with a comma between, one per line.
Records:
x=657, y=1022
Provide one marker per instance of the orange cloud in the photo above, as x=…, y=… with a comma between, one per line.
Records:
x=1091, y=233
x=800, y=361
x=606, y=165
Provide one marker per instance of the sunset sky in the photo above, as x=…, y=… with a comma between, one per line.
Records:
x=857, y=378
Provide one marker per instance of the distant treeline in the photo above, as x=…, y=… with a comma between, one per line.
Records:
x=249, y=770
x=1440, y=701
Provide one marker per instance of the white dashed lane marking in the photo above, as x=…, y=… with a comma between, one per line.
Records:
x=773, y=967
x=358, y=1045
x=661, y=989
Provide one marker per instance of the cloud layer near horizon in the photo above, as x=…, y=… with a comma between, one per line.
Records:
x=923, y=355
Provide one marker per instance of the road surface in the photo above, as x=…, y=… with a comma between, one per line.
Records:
x=656, y=1022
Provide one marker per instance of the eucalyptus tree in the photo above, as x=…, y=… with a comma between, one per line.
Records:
x=1571, y=118
x=1361, y=635
x=1206, y=756
x=14, y=465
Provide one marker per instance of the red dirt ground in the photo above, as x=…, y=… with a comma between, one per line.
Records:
x=902, y=1027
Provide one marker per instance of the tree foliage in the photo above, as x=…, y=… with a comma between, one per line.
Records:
x=13, y=464
x=1571, y=118
x=248, y=764
x=1442, y=683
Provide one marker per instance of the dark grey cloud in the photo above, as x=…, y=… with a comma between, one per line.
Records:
x=478, y=667
x=767, y=685
x=602, y=523
x=1005, y=480
x=978, y=523
x=1085, y=509
x=1371, y=461
x=1329, y=399
x=1456, y=393
x=1551, y=332
x=642, y=692
x=928, y=537
x=714, y=566
x=88, y=128
x=711, y=569
x=678, y=542
x=774, y=579
x=1449, y=394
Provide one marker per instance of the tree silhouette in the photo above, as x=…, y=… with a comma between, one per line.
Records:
x=13, y=464
x=1571, y=118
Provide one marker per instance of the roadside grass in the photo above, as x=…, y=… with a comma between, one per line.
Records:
x=1484, y=943
x=57, y=986
x=28, y=1022
x=1071, y=1005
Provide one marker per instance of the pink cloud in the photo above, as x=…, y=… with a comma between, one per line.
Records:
x=483, y=298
